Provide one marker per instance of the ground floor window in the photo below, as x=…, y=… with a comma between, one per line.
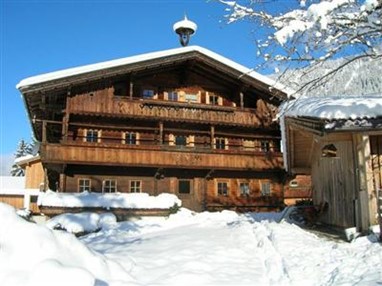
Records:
x=135, y=186
x=265, y=188
x=109, y=186
x=222, y=188
x=244, y=189
x=184, y=187
x=84, y=185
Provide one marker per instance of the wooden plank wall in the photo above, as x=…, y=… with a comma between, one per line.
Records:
x=34, y=175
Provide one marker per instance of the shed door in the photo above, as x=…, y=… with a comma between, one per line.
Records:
x=335, y=184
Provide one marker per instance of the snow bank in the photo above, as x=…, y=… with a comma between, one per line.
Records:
x=112, y=200
x=35, y=255
x=81, y=222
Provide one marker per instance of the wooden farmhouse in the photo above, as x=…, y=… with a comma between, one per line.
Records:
x=185, y=121
x=338, y=141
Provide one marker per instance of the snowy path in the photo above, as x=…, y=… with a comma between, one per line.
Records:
x=226, y=249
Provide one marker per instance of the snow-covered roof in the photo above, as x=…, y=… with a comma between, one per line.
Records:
x=10, y=182
x=61, y=74
x=26, y=159
x=334, y=108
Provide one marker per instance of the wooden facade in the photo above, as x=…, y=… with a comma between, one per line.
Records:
x=345, y=166
x=186, y=123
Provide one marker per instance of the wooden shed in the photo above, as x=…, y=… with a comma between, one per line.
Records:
x=14, y=193
x=338, y=141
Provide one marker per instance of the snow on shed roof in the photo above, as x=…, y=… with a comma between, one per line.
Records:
x=332, y=108
x=61, y=74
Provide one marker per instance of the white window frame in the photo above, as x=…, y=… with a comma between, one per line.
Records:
x=110, y=186
x=133, y=187
x=98, y=137
x=82, y=187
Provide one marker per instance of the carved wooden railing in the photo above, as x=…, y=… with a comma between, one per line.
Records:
x=168, y=110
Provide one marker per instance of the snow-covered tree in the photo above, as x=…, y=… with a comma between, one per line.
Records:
x=23, y=149
x=308, y=33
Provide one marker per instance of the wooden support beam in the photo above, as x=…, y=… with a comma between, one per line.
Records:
x=131, y=90
x=44, y=124
x=161, y=133
x=212, y=136
x=241, y=100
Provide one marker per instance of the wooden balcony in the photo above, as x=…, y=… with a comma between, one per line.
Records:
x=168, y=111
x=155, y=156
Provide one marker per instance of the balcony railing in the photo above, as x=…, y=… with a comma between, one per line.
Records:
x=168, y=110
x=156, y=156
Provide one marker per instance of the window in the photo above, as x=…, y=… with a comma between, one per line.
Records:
x=220, y=143
x=180, y=140
x=84, y=185
x=131, y=138
x=148, y=93
x=244, y=189
x=293, y=184
x=173, y=96
x=265, y=188
x=192, y=98
x=223, y=188
x=184, y=187
x=33, y=199
x=109, y=186
x=329, y=151
x=135, y=186
x=91, y=135
x=214, y=100
x=265, y=147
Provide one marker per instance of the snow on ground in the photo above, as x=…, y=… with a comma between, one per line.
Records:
x=112, y=200
x=229, y=249
x=186, y=248
x=32, y=254
x=81, y=222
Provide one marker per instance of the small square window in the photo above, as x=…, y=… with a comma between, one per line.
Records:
x=180, y=140
x=265, y=146
x=244, y=189
x=91, y=135
x=220, y=143
x=130, y=138
x=223, y=188
x=84, y=185
x=214, y=100
x=172, y=96
x=148, y=93
x=135, y=186
x=109, y=186
x=184, y=187
x=265, y=188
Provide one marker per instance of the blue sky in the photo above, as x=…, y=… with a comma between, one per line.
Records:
x=43, y=36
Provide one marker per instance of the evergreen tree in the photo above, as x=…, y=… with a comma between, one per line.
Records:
x=23, y=149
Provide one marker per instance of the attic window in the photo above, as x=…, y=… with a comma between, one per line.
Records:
x=329, y=151
x=293, y=184
x=148, y=93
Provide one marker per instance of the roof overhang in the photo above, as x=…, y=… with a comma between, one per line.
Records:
x=74, y=76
